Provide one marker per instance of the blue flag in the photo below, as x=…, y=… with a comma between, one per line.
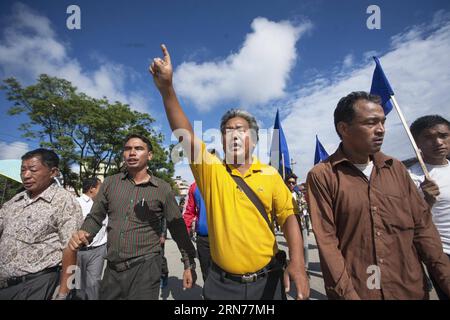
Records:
x=321, y=154
x=279, y=152
x=381, y=87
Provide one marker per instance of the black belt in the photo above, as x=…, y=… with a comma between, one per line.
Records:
x=91, y=247
x=122, y=266
x=273, y=265
x=16, y=280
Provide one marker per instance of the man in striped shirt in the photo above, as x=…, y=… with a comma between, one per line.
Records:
x=134, y=202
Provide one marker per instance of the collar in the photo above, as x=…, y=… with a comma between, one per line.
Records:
x=125, y=175
x=379, y=159
x=254, y=167
x=86, y=198
x=46, y=195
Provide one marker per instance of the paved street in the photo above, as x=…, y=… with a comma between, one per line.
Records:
x=174, y=290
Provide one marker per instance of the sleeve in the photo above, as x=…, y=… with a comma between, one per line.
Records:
x=338, y=284
x=94, y=220
x=177, y=228
x=283, y=201
x=416, y=178
x=69, y=220
x=189, y=213
x=427, y=239
x=163, y=227
x=203, y=167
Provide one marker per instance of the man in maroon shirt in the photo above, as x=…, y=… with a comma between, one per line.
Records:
x=372, y=227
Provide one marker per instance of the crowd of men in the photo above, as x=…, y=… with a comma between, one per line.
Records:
x=377, y=224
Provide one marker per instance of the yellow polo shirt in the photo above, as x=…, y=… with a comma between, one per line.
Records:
x=240, y=239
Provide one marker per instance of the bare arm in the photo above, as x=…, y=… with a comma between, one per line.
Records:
x=296, y=268
x=69, y=262
x=162, y=72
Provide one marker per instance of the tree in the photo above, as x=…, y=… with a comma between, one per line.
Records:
x=8, y=189
x=87, y=133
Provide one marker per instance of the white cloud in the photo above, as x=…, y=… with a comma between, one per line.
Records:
x=256, y=74
x=14, y=150
x=29, y=47
x=418, y=69
x=348, y=61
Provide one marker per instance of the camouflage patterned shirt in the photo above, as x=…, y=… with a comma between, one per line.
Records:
x=33, y=232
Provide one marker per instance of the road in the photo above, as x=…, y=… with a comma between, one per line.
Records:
x=174, y=289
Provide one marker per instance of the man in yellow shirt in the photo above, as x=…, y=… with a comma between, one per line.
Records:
x=242, y=242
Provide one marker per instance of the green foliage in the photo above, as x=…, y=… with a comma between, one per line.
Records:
x=84, y=131
x=8, y=189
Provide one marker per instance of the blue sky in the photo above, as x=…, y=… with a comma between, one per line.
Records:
x=297, y=56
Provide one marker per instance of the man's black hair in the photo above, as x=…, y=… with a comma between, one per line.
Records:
x=290, y=176
x=427, y=122
x=89, y=183
x=345, y=110
x=48, y=157
x=139, y=136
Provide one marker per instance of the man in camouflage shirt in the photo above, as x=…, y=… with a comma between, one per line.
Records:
x=35, y=227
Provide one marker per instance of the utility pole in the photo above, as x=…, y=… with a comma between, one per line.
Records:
x=292, y=164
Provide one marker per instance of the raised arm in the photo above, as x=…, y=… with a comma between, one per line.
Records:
x=162, y=72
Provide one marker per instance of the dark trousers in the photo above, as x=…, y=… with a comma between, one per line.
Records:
x=218, y=287
x=204, y=255
x=140, y=282
x=40, y=288
x=441, y=295
x=164, y=266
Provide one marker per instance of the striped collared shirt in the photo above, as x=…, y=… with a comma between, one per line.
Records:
x=134, y=218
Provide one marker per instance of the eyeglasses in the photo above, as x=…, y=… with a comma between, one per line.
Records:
x=291, y=182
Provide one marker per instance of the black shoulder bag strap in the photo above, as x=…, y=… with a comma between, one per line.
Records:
x=252, y=196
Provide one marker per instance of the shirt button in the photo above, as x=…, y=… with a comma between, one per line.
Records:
x=381, y=260
x=374, y=209
x=378, y=233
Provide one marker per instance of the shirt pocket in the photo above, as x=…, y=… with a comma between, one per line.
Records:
x=396, y=213
x=148, y=211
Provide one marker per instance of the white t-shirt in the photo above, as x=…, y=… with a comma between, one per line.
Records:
x=441, y=209
x=86, y=205
x=365, y=168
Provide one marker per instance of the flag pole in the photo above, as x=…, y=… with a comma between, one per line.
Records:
x=282, y=165
x=411, y=138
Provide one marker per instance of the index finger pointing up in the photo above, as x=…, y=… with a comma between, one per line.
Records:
x=165, y=53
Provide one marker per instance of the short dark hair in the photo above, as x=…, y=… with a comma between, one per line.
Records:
x=427, y=122
x=89, y=183
x=139, y=136
x=290, y=176
x=345, y=110
x=48, y=157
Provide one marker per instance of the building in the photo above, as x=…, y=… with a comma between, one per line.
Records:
x=183, y=186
